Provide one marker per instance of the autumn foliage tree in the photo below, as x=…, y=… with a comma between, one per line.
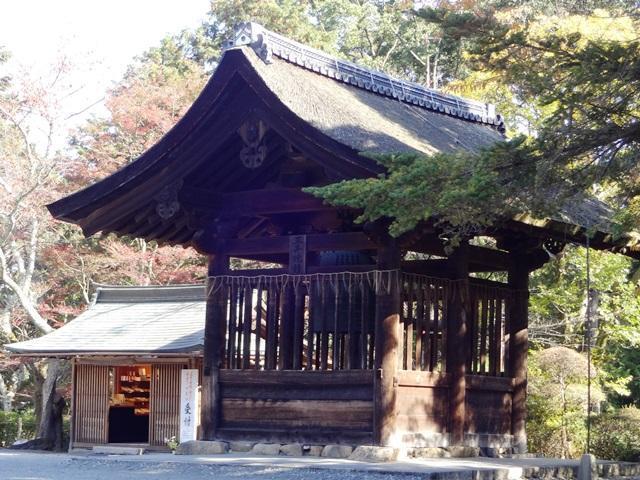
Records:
x=30, y=119
x=48, y=269
x=154, y=94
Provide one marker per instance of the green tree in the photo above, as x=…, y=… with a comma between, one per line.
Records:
x=385, y=35
x=578, y=74
x=558, y=313
x=557, y=402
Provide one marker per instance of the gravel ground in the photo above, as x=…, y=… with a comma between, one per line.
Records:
x=47, y=466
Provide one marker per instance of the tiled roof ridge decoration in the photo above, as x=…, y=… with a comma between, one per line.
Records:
x=149, y=293
x=267, y=43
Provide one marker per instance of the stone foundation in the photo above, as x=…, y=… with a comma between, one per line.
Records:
x=368, y=453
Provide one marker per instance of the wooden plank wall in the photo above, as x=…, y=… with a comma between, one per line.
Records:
x=164, y=415
x=91, y=404
x=298, y=406
x=423, y=399
x=488, y=405
x=422, y=406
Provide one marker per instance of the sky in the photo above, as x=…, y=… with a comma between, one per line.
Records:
x=99, y=38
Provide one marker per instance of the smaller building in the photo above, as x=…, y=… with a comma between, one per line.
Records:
x=128, y=351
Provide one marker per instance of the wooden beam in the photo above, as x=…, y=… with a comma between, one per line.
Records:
x=257, y=272
x=297, y=254
x=280, y=244
x=457, y=342
x=489, y=384
x=481, y=257
x=340, y=268
x=252, y=203
x=518, y=346
x=388, y=342
x=214, y=339
x=441, y=267
x=567, y=233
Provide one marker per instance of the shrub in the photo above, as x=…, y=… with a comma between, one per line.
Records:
x=9, y=426
x=616, y=435
x=557, y=402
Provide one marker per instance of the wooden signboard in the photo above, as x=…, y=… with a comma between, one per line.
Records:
x=189, y=405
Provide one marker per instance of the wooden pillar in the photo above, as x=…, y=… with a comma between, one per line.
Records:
x=72, y=422
x=388, y=341
x=214, y=339
x=290, y=331
x=285, y=360
x=457, y=345
x=518, y=347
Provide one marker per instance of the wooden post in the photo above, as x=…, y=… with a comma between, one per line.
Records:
x=388, y=342
x=457, y=347
x=72, y=422
x=285, y=360
x=518, y=347
x=214, y=338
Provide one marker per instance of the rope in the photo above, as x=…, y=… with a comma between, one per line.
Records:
x=588, y=341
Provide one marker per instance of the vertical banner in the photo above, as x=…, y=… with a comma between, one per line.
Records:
x=189, y=405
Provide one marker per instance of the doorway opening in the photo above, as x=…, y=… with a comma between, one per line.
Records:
x=130, y=386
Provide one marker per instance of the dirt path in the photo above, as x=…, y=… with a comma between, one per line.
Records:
x=48, y=466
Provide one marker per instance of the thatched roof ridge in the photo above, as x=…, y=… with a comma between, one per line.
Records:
x=366, y=121
x=268, y=44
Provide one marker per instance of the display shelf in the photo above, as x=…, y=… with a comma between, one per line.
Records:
x=132, y=388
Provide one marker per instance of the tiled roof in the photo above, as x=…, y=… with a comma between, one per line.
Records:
x=268, y=44
x=129, y=320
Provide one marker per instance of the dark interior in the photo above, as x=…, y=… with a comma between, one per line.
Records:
x=127, y=427
x=129, y=405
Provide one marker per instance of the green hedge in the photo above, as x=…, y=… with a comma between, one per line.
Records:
x=616, y=435
x=9, y=426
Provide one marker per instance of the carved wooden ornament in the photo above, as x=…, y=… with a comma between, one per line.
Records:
x=254, y=152
x=167, y=199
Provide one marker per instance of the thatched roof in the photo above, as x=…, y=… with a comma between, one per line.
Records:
x=368, y=122
x=269, y=45
x=332, y=116
x=329, y=111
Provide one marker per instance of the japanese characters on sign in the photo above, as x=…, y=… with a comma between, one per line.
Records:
x=189, y=405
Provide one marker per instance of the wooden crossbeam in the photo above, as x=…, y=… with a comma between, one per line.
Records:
x=252, y=202
x=479, y=256
x=280, y=244
x=440, y=267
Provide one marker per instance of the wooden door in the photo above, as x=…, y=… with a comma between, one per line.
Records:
x=91, y=404
x=164, y=414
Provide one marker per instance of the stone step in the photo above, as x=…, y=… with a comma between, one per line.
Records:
x=114, y=450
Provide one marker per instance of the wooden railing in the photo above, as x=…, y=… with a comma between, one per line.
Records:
x=326, y=321
x=425, y=303
x=488, y=322
x=424, y=319
x=321, y=321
